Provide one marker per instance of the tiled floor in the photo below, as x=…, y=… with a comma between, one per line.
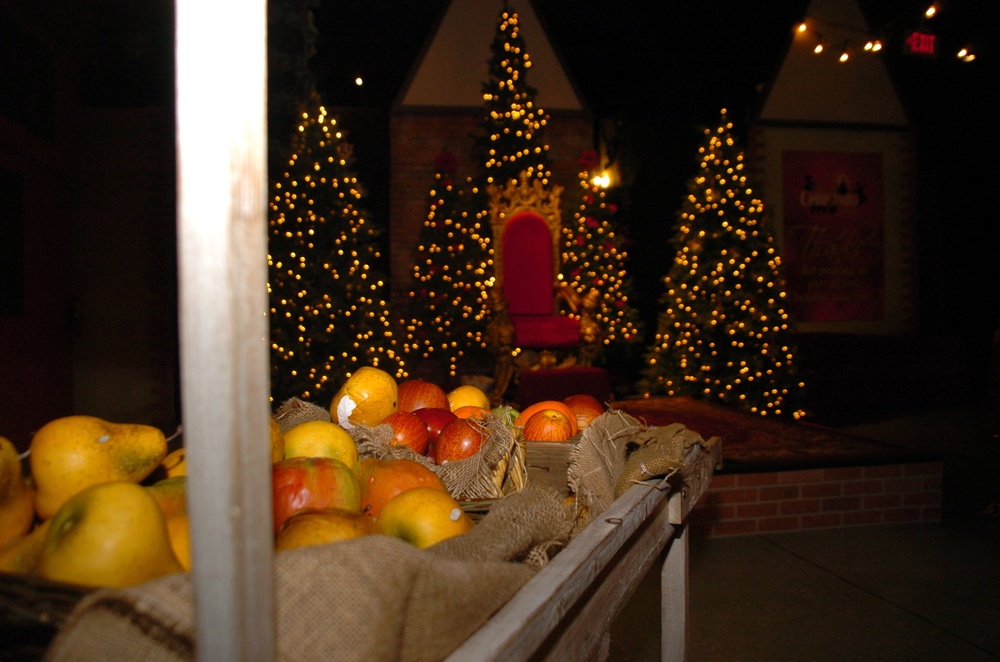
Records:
x=890, y=592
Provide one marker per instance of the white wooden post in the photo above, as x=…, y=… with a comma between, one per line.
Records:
x=222, y=246
x=674, y=598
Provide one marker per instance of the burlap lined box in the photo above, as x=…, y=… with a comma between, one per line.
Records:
x=380, y=598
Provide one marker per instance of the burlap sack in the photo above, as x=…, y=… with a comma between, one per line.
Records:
x=661, y=451
x=597, y=461
x=293, y=411
x=372, y=598
x=615, y=452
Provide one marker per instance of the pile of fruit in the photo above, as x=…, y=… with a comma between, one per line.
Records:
x=105, y=504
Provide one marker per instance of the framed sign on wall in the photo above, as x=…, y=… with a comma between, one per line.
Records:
x=834, y=232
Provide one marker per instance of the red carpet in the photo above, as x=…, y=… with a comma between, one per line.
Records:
x=752, y=443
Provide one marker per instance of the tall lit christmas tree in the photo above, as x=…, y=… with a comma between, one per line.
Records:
x=328, y=311
x=723, y=335
x=449, y=308
x=447, y=311
x=512, y=123
x=594, y=256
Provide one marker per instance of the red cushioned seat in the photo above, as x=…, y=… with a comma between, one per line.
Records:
x=529, y=284
x=546, y=331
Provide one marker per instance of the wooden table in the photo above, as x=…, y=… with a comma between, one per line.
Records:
x=566, y=610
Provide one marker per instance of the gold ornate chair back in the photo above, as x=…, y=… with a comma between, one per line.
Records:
x=526, y=221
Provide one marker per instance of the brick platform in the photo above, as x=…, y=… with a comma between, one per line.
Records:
x=765, y=502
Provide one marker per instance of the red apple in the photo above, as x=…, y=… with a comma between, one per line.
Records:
x=382, y=479
x=408, y=430
x=435, y=418
x=312, y=482
x=459, y=439
x=585, y=407
x=548, y=425
x=419, y=394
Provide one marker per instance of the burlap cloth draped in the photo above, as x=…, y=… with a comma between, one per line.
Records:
x=379, y=598
x=372, y=598
x=616, y=451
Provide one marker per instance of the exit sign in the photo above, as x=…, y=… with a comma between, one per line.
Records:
x=921, y=43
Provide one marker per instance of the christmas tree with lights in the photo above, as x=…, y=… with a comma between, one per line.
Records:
x=447, y=306
x=513, y=124
x=593, y=258
x=723, y=333
x=327, y=308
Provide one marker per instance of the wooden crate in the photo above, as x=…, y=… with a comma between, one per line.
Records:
x=548, y=461
x=565, y=611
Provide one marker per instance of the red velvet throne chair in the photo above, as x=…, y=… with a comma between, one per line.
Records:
x=532, y=309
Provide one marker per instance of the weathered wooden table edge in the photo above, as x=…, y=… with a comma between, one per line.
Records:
x=566, y=610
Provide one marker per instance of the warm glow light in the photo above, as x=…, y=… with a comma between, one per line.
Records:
x=818, y=49
x=931, y=11
x=844, y=57
x=359, y=81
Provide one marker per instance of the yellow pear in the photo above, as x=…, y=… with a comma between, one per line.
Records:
x=175, y=463
x=171, y=495
x=368, y=396
x=17, y=503
x=111, y=534
x=179, y=532
x=21, y=555
x=277, y=440
x=321, y=439
x=74, y=452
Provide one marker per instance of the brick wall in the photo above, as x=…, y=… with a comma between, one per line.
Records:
x=751, y=503
x=418, y=136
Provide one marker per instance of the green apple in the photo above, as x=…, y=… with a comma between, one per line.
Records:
x=110, y=534
x=321, y=439
x=318, y=526
x=422, y=516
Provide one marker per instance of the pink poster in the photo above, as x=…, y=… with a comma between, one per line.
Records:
x=834, y=237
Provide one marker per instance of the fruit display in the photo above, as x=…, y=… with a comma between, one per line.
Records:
x=98, y=503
